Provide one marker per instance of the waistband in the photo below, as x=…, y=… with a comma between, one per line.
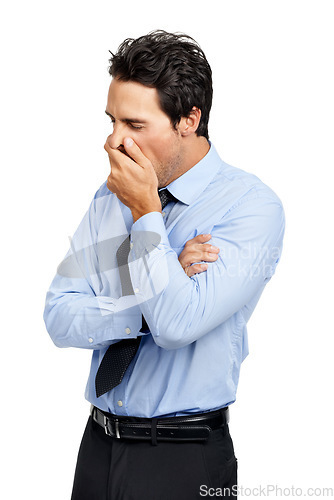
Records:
x=195, y=427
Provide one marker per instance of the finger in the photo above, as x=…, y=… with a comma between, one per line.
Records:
x=209, y=248
x=188, y=260
x=196, y=252
x=114, y=154
x=107, y=146
x=195, y=269
x=135, y=152
x=200, y=238
x=204, y=237
x=209, y=256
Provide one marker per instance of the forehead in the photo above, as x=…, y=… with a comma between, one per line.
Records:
x=127, y=97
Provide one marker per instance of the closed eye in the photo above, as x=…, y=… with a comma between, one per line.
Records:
x=133, y=123
x=137, y=127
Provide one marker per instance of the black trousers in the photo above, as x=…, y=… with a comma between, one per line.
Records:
x=116, y=469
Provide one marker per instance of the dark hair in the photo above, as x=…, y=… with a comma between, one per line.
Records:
x=175, y=65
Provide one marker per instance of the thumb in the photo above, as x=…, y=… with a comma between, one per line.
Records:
x=135, y=152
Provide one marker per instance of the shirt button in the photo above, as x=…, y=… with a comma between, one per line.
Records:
x=127, y=330
x=136, y=290
x=120, y=403
x=90, y=340
x=131, y=246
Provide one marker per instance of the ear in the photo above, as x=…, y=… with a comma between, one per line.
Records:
x=189, y=124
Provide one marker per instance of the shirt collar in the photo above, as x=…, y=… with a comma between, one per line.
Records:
x=192, y=183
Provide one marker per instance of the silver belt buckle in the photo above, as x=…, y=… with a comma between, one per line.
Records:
x=107, y=430
x=117, y=429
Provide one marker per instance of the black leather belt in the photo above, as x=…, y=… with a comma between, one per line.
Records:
x=185, y=428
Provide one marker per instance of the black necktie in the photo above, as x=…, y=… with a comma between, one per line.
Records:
x=119, y=355
x=165, y=197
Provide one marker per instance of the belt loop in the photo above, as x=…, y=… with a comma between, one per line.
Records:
x=224, y=420
x=154, y=423
x=227, y=415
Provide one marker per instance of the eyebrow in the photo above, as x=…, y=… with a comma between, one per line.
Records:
x=127, y=120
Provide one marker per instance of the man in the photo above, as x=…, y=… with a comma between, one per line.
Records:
x=168, y=336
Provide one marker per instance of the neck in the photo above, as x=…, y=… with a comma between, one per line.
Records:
x=194, y=149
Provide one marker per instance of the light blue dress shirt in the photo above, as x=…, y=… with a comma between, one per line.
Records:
x=190, y=359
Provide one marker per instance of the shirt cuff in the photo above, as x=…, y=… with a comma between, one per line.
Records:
x=147, y=233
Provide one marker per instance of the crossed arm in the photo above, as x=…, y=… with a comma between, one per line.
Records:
x=76, y=316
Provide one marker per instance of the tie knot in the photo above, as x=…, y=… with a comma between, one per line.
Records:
x=165, y=197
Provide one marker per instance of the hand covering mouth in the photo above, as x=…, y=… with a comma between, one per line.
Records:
x=122, y=150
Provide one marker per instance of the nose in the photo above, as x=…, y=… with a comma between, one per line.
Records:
x=115, y=140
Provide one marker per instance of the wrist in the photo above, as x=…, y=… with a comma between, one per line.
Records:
x=137, y=213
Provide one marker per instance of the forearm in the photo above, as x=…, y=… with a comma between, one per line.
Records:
x=85, y=306
x=180, y=310
x=176, y=309
x=78, y=319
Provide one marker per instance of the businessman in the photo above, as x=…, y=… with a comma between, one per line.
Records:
x=160, y=281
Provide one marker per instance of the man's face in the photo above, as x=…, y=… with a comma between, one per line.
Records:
x=135, y=112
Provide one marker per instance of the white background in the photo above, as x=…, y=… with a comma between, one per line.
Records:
x=272, y=115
